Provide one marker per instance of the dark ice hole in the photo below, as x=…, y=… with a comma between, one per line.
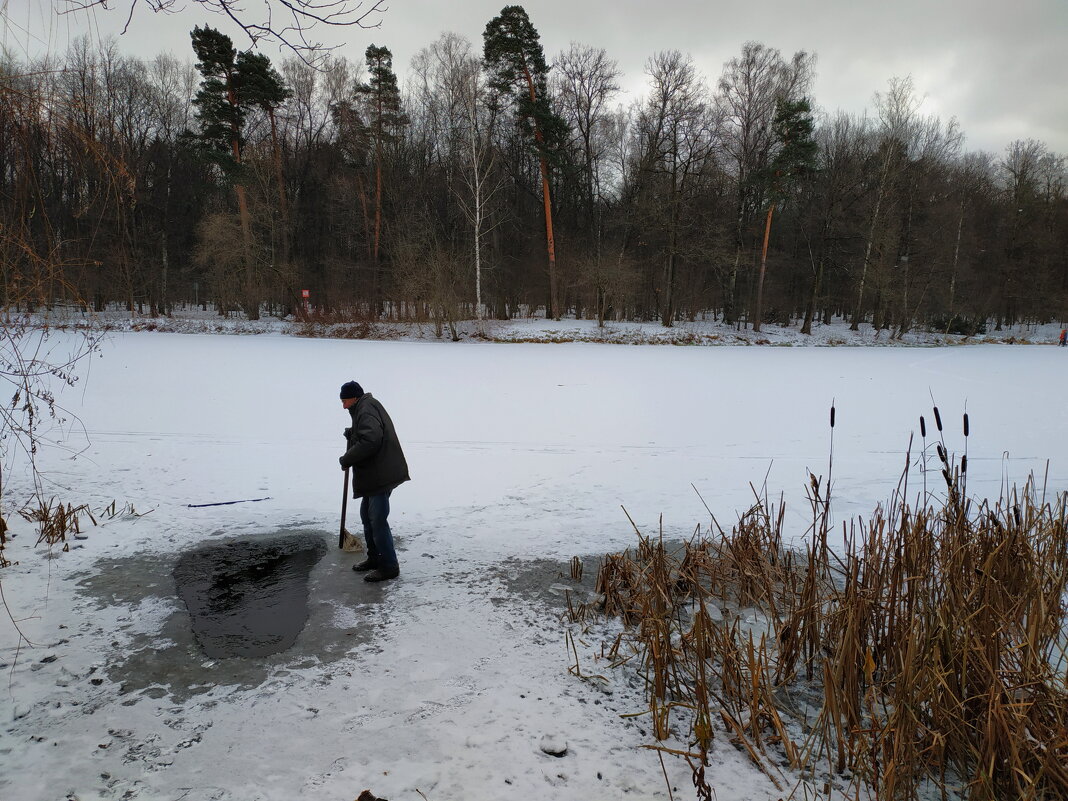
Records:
x=248, y=597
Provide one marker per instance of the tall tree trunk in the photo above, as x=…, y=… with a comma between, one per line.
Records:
x=162, y=309
x=164, y=252
x=367, y=228
x=883, y=178
x=956, y=260
x=763, y=268
x=855, y=324
x=375, y=271
x=476, y=222
x=731, y=290
x=376, y=287
x=478, y=259
x=667, y=315
x=667, y=311
x=283, y=204
x=810, y=312
x=378, y=211
x=592, y=210
x=252, y=303
x=817, y=277
x=905, y=321
x=550, y=241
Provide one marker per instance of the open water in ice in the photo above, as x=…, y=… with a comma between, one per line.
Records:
x=248, y=597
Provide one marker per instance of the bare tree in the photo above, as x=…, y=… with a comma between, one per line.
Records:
x=1021, y=175
x=905, y=144
x=288, y=23
x=932, y=150
x=429, y=272
x=172, y=85
x=897, y=111
x=676, y=135
x=38, y=133
x=749, y=89
x=843, y=143
x=586, y=82
x=974, y=172
x=307, y=122
x=452, y=92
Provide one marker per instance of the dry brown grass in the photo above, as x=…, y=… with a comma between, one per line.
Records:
x=928, y=654
x=56, y=521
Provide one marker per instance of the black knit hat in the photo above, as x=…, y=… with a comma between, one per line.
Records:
x=350, y=389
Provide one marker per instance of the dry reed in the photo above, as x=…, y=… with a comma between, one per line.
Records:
x=56, y=520
x=928, y=652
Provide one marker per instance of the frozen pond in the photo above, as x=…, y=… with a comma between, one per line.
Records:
x=533, y=449
x=446, y=680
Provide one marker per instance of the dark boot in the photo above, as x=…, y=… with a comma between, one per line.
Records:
x=382, y=574
x=365, y=565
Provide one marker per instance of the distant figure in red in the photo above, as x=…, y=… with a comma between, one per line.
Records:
x=1064, y=337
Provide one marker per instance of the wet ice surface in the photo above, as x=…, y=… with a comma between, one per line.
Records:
x=248, y=597
x=158, y=651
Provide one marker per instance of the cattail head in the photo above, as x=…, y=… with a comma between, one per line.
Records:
x=938, y=419
x=832, y=415
x=965, y=424
x=942, y=453
x=923, y=427
x=964, y=464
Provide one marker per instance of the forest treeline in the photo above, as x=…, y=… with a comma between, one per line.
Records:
x=495, y=180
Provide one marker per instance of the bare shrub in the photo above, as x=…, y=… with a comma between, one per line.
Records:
x=431, y=274
x=221, y=253
x=605, y=279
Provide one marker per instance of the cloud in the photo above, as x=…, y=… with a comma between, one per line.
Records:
x=998, y=70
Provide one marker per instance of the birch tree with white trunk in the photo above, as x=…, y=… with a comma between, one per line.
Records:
x=452, y=92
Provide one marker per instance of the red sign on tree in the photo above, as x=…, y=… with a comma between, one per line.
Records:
x=305, y=293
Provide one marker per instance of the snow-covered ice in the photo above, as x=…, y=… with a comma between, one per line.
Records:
x=448, y=682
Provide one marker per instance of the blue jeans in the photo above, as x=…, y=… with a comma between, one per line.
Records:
x=374, y=509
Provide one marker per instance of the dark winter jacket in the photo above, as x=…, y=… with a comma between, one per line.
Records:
x=374, y=451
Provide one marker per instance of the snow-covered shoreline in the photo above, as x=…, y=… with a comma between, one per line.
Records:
x=537, y=329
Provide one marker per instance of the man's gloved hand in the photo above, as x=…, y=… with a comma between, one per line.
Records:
x=341, y=459
x=347, y=432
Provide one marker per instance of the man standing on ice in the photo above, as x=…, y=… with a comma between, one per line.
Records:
x=378, y=465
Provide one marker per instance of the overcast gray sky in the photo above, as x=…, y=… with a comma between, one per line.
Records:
x=999, y=67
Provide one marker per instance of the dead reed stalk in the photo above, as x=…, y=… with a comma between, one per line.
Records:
x=56, y=521
x=930, y=650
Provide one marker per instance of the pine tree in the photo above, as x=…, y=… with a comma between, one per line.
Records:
x=385, y=119
x=220, y=116
x=260, y=85
x=233, y=84
x=793, y=129
x=516, y=62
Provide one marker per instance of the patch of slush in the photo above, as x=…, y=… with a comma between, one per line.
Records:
x=171, y=657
